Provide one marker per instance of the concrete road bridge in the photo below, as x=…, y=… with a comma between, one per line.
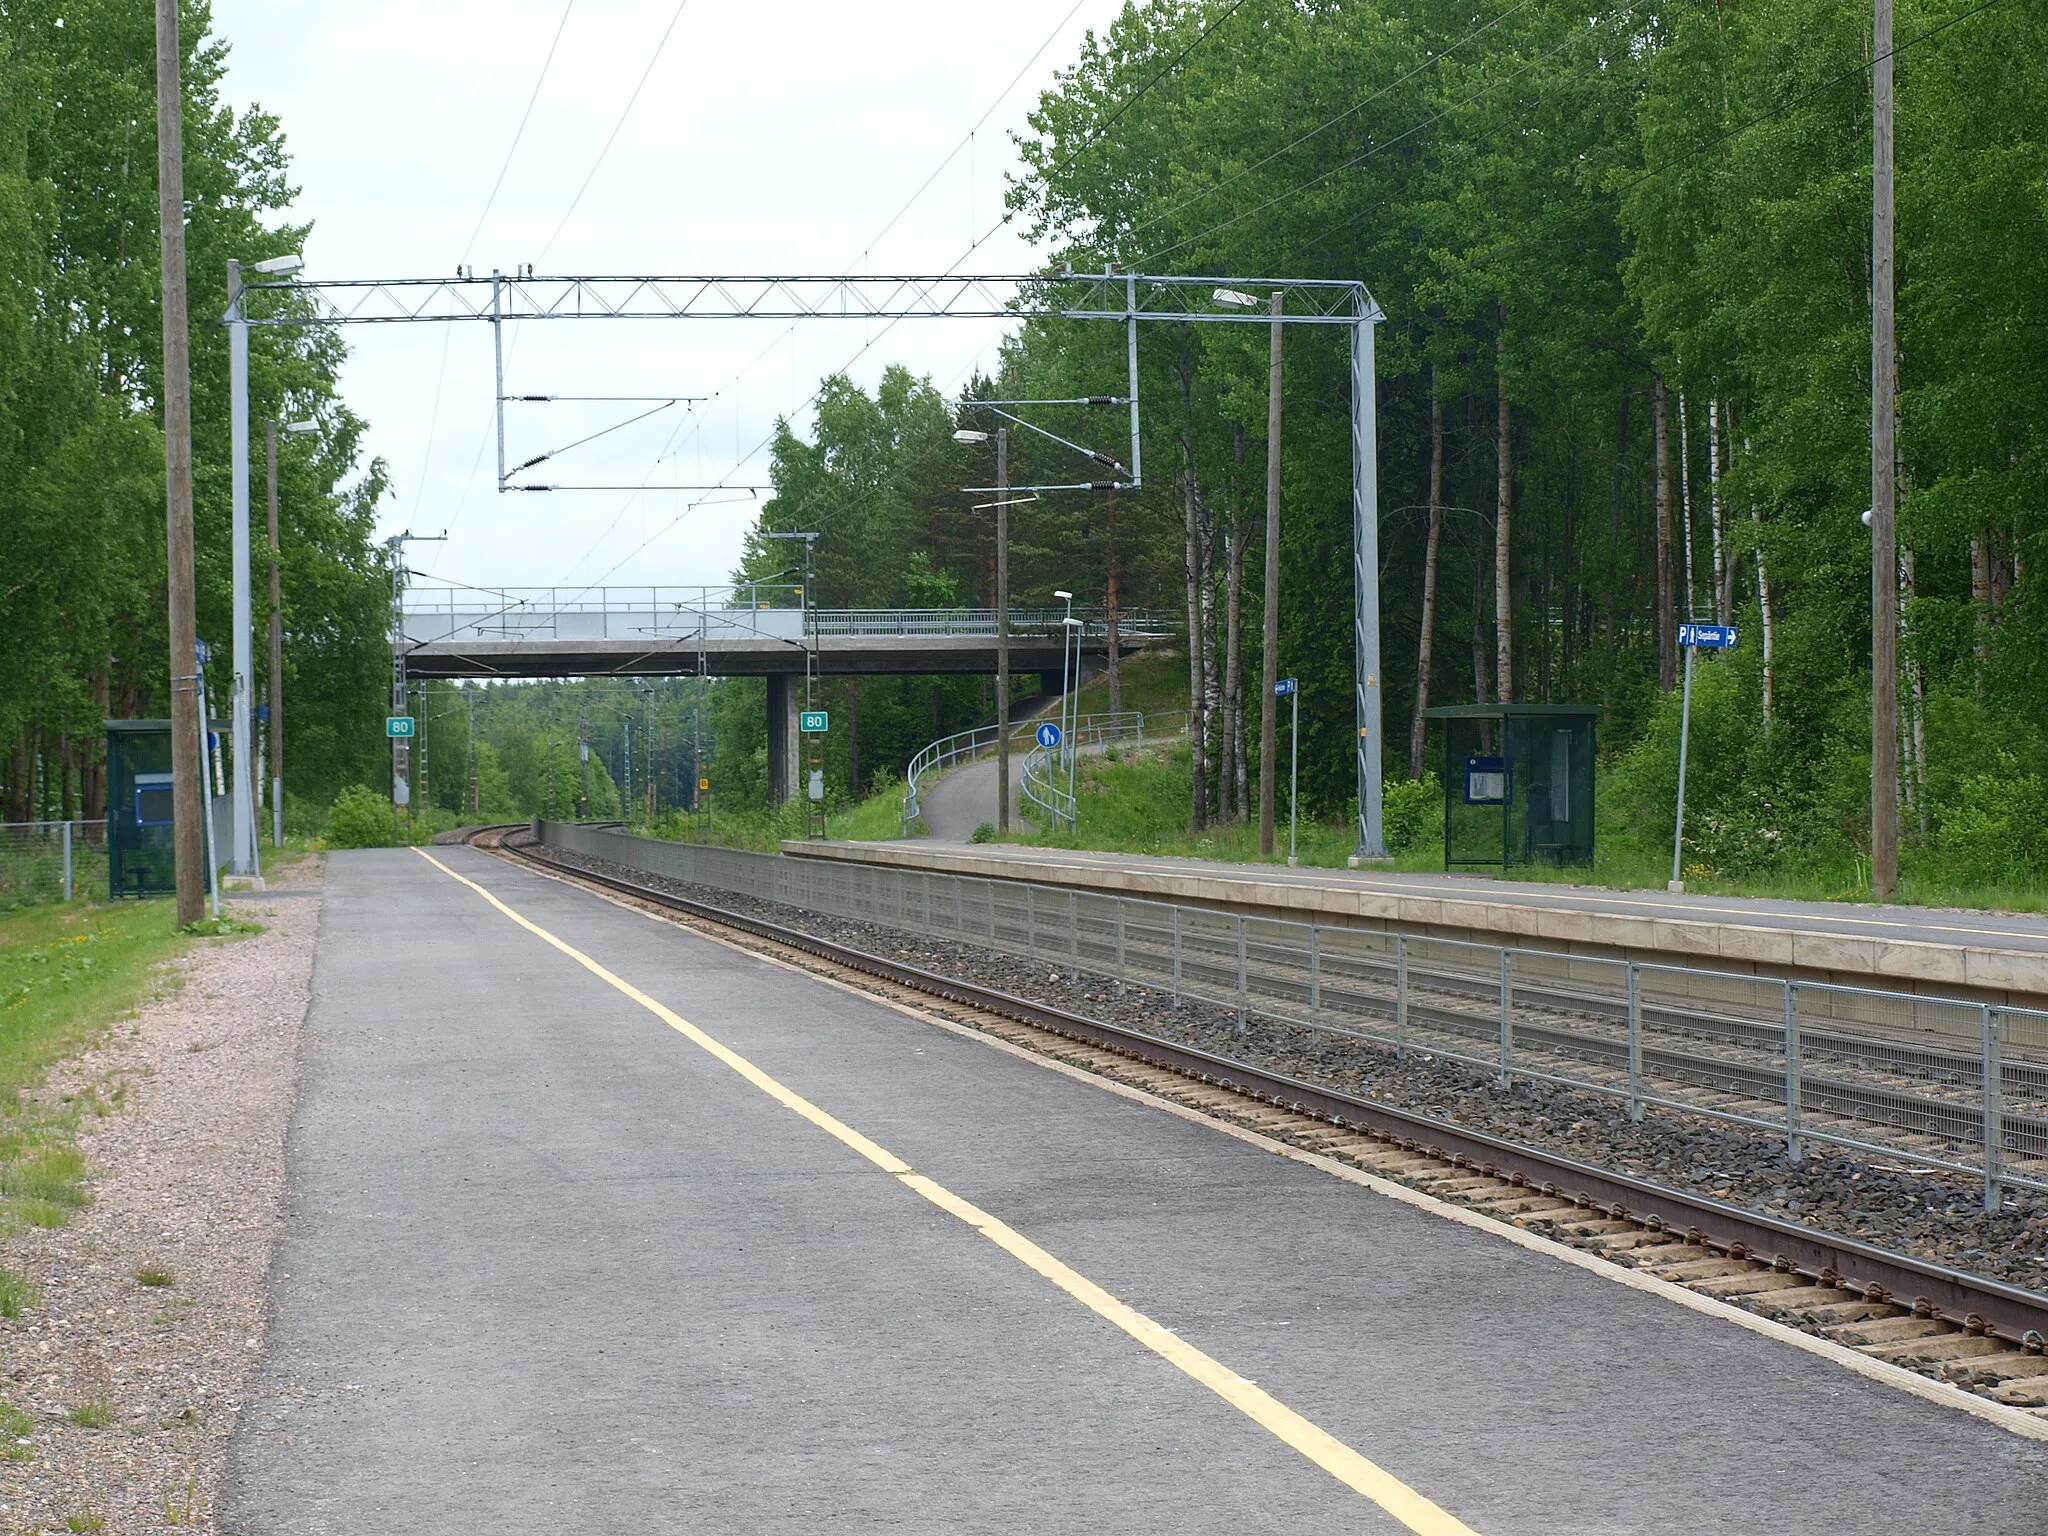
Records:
x=745, y=630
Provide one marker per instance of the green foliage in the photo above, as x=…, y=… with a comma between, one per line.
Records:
x=984, y=832
x=1995, y=830
x=82, y=620
x=361, y=818
x=1412, y=813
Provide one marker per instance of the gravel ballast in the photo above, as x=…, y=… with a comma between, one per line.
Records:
x=1891, y=1204
x=133, y=1364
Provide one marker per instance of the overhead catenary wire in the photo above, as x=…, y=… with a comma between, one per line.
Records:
x=441, y=377
x=612, y=138
x=974, y=244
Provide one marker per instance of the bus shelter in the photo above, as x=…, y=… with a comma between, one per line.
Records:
x=1518, y=784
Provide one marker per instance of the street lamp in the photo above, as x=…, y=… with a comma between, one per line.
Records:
x=244, y=646
x=1067, y=646
x=276, y=706
x=969, y=435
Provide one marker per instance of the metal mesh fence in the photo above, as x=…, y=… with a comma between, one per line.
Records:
x=1942, y=1084
x=51, y=861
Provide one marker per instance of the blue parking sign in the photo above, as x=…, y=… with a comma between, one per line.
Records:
x=1707, y=637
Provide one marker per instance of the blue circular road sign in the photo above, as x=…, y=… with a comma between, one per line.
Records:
x=1048, y=735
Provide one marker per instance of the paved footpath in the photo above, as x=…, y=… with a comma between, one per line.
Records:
x=549, y=1264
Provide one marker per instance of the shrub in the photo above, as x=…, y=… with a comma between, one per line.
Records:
x=1996, y=829
x=985, y=833
x=1411, y=812
x=361, y=818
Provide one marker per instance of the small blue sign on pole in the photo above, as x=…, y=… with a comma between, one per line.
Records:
x=1707, y=637
x=1048, y=735
x=1284, y=687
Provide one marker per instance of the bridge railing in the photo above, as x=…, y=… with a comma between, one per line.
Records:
x=767, y=610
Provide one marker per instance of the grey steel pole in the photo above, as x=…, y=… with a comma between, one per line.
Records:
x=1315, y=976
x=67, y=861
x=1684, y=740
x=1131, y=343
x=1792, y=1071
x=1002, y=629
x=276, y=654
x=1884, y=381
x=498, y=359
x=1242, y=989
x=206, y=796
x=1400, y=997
x=187, y=709
x=1269, y=649
x=1507, y=1016
x=1994, y=1112
x=241, y=785
x=1635, y=1043
x=1293, y=770
x=1365, y=586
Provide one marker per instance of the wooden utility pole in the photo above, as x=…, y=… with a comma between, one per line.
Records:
x=1426, y=642
x=1002, y=629
x=1667, y=613
x=188, y=836
x=1503, y=529
x=1884, y=385
x=1269, y=719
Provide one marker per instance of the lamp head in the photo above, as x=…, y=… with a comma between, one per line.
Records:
x=969, y=435
x=279, y=266
x=302, y=426
x=1068, y=596
x=1234, y=298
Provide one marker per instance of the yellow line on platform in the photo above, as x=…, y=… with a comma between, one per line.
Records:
x=1355, y=1471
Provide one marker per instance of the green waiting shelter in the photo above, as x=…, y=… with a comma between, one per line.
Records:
x=141, y=858
x=1518, y=784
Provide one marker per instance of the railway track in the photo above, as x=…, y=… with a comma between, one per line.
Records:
x=1977, y=1335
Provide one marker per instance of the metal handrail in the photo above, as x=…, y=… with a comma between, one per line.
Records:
x=442, y=613
x=965, y=746
x=1041, y=784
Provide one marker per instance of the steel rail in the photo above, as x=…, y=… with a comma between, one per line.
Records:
x=1973, y=1302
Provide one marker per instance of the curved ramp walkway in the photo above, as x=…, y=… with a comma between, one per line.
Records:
x=595, y=1224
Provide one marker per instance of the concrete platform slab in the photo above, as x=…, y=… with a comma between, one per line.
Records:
x=548, y=1265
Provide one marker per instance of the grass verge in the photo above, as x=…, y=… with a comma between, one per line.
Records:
x=66, y=973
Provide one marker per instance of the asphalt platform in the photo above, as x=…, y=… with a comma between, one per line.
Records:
x=548, y=1265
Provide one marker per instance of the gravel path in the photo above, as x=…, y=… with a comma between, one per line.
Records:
x=1928, y=1215
x=188, y=1174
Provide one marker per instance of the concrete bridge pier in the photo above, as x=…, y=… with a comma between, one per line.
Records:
x=785, y=758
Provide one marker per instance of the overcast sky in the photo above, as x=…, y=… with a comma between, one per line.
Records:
x=779, y=136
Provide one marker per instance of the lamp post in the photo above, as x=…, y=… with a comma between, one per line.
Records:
x=245, y=863
x=1069, y=714
x=277, y=634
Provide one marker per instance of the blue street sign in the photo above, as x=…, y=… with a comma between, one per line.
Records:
x=1048, y=735
x=1284, y=687
x=1707, y=637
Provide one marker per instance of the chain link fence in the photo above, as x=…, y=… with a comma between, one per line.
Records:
x=1941, y=1084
